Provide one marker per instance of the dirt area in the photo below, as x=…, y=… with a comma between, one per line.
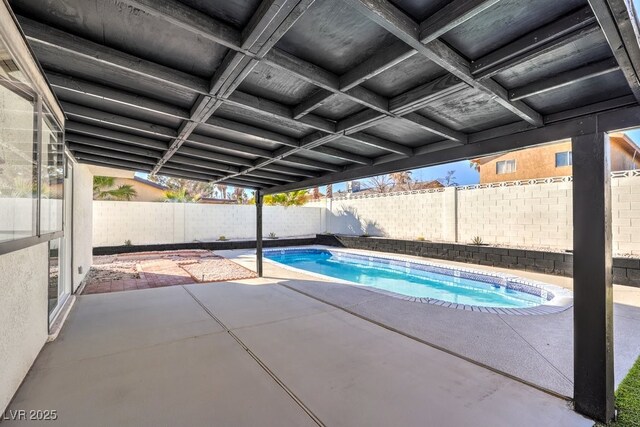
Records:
x=143, y=270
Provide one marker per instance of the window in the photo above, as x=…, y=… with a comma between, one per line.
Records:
x=52, y=177
x=505, y=166
x=18, y=156
x=563, y=159
x=32, y=161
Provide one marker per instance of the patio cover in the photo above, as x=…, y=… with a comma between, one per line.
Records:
x=285, y=94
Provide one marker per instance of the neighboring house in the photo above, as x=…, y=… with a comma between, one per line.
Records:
x=551, y=160
x=146, y=191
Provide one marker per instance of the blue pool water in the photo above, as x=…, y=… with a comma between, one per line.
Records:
x=378, y=274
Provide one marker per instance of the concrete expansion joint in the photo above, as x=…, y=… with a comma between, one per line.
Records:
x=257, y=360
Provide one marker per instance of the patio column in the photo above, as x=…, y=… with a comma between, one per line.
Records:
x=592, y=278
x=259, y=233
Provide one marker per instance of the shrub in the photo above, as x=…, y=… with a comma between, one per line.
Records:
x=127, y=242
x=421, y=238
x=222, y=238
x=477, y=241
x=272, y=235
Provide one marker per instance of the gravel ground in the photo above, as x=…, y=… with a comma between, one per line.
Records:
x=149, y=269
x=215, y=270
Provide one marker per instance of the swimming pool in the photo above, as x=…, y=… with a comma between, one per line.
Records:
x=418, y=279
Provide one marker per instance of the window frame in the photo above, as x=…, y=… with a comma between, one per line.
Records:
x=515, y=166
x=569, y=157
x=28, y=92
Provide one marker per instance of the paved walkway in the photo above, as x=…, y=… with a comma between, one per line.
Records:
x=251, y=353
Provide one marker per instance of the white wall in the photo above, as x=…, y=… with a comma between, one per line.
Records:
x=23, y=315
x=82, y=222
x=537, y=215
x=154, y=223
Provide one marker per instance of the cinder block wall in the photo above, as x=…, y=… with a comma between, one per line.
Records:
x=532, y=215
x=145, y=223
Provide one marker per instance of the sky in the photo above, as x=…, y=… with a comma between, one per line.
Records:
x=464, y=174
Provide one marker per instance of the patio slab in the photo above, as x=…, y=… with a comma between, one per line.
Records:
x=537, y=349
x=151, y=357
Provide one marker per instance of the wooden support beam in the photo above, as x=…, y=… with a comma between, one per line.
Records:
x=615, y=119
x=115, y=120
x=565, y=79
x=117, y=155
x=113, y=135
x=450, y=16
x=539, y=50
x=258, y=199
x=111, y=162
x=119, y=63
x=593, y=381
x=76, y=139
x=487, y=65
x=275, y=176
x=268, y=24
x=344, y=155
x=289, y=170
x=206, y=164
x=402, y=26
x=383, y=144
x=620, y=32
x=226, y=145
x=215, y=156
x=63, y=84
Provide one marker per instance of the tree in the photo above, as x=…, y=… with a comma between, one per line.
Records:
x=449, y=180
x=292, y=198
x=380, y=184
x=402, y=180
x=329, y=191
x=195, y=189
x=180, y=196
x=239, y=195
x=102, y=189
x=223, y=190
x=315, y=193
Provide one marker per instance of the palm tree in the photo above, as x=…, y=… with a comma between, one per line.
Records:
x=102, y=189
x=180, y=195
x=329, y=191
x=315, y=194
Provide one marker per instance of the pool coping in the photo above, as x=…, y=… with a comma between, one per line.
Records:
x=562, y=300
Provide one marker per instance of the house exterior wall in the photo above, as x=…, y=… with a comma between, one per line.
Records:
x=23, y=314
x=540, y=162
x=155, y=223
x=82, y=222
x=145, y=193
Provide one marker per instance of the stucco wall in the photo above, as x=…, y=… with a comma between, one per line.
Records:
x=533, y=215
x=82, y=222
x=23, y=315
x=155, y=223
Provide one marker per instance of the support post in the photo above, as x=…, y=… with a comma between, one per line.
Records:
x=259, y=233
x=592, y=278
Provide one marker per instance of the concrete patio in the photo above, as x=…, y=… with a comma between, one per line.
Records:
x=254, y=352
x=536, y=349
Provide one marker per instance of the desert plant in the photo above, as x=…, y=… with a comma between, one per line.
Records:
x=180, y=195
x=272, y=235
x=222, y=238
x=102, y=189
x=477, y=241
x=127, y=242
x=421, y=238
